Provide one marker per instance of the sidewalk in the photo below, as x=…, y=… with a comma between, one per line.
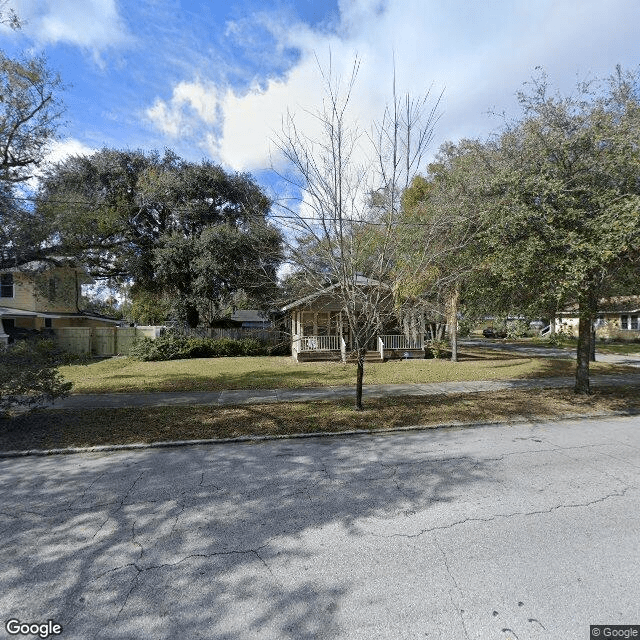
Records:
x=252, y=396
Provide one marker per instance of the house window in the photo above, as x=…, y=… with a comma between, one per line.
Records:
x=6, y=285
x=47, y=323
x=629, y=322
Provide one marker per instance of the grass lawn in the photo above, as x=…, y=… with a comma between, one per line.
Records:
x=119, y=375
x=63, y=428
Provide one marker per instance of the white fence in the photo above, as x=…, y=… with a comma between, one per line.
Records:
x=401, y=342
x=319, y=343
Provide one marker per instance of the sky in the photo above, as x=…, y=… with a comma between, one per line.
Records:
x=213, y=79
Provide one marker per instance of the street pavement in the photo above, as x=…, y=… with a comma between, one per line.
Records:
x=524, y=348
x=517, y=532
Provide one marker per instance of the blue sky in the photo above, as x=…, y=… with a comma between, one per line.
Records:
x=212, y=79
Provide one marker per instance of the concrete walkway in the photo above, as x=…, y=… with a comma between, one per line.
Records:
x=251, y=396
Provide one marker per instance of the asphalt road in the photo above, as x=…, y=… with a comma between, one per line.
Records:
x=521, y=532
x=527, y=349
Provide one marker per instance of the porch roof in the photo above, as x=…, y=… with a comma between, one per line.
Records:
x=22, y=313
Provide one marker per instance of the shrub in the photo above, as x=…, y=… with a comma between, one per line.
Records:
x=29, y=374
x=517, y=329
x=174, y=346
x=560, y=337
x=169, y=346
x=436, y=348
x=465, y=327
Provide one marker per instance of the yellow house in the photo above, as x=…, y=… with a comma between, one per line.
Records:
x=44, y=295
x=617, y=319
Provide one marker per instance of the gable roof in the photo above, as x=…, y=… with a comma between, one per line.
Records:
x=360, y=281
x=617, y=304
x=249, y=315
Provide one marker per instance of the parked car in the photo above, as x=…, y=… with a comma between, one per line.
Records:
x=492, y=332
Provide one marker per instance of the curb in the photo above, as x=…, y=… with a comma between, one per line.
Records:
x=294, y=436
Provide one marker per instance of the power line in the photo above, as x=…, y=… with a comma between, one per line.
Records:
x=297, y=218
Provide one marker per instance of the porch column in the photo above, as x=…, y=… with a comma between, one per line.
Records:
x=4, y=338
x=297, y=330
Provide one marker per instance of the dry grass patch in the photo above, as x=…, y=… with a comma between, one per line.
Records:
x=63, y=428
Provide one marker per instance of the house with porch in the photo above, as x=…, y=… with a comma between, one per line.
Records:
x=320, y=330
x=44, y=296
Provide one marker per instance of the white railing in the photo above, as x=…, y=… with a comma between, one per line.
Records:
x=319, y=343
x=401, y=342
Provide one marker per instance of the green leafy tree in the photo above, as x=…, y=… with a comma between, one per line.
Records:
x=154, y=219
x=147, y=308
x=567, y=201
x=442, y=236
x=30, y=114
x=205, y=274
x=29, y=375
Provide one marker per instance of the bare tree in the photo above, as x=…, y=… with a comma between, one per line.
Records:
x=9, y=17
x=30, y=112
x=344, y=229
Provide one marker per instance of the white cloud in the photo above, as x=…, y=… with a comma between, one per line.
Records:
x=58, y=151
x=94, y=25
x=61, y=149
x=481, y=53
x=192, y=106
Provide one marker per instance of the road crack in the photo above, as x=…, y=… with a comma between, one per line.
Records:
x=455, y=584
x=504, y=516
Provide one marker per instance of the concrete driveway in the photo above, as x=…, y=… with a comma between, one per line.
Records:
x=521, y=532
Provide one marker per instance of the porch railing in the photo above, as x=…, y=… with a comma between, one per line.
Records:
x=402, y=342
x=319, y=343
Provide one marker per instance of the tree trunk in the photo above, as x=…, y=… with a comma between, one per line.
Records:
x=453, y=323
x=592, y=350
x=586, y=313
x=192, y=317
x=359, y=377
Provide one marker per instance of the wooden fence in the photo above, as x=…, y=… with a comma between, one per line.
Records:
x=268, y=336
x=101, y=341
x=110, y=341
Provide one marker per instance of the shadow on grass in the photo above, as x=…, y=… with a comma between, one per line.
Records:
x=228, y=542
x=53, y=429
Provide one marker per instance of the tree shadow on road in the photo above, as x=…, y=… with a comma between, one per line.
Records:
x=214, y=542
